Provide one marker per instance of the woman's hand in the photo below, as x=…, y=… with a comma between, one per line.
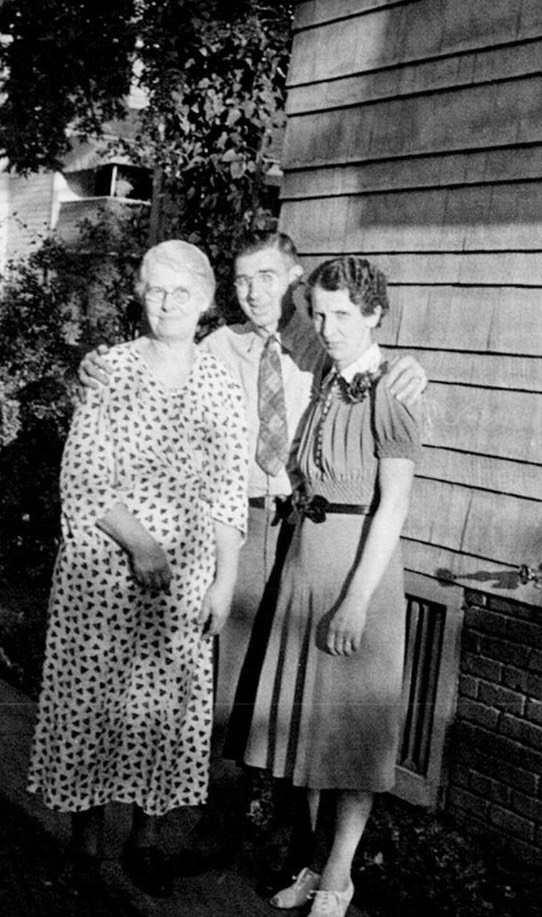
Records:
x=346, y=627
x=93, y=371
x=215, y=608
x=406, y=379
x=150, y=566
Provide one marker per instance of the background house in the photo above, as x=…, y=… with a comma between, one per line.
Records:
x=96, y=175
x=415, y=136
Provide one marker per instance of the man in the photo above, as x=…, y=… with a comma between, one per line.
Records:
x=267, y=271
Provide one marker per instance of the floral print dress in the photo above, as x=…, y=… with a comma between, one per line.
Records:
x=125, y=711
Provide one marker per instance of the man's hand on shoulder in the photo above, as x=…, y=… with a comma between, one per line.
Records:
x=406, y=379
x=93, y=371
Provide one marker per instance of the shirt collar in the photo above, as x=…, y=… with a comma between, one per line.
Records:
x=288, y=333
x=368, y=362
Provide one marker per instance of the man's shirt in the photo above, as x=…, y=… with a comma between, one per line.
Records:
x=240, y=347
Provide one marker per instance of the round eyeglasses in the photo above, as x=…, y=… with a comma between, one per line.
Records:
x=157, y=296
x=263, y=279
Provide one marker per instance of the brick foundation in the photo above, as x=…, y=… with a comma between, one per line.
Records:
x=495, y=778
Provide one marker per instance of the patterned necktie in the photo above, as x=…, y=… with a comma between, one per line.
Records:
x=272, y=445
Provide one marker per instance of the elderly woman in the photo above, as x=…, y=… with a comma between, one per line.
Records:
x=328, y=703
x=153, y=488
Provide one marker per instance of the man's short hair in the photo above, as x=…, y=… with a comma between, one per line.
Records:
x=259, y=239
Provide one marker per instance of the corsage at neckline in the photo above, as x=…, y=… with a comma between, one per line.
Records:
x=357, y=389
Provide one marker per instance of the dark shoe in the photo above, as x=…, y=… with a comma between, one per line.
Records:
x=80, y=873
x=149, y=870
x=192, y=863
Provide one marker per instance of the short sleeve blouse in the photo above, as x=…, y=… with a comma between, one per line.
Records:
x=343, y=442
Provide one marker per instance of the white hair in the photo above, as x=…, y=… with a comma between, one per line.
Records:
x=178, y=255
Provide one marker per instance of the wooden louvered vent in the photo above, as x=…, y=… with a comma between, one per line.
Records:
x=430, y=686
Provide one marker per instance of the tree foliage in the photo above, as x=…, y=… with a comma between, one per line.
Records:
x=213, y=74
x=216, y=103
x=55, y=305
x=65, y=65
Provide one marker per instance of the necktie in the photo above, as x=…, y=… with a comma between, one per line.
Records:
x=272, y=445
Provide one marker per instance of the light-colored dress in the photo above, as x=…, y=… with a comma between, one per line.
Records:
x=125, y=710
x=333, y=721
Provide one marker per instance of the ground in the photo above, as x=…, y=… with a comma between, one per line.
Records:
x=30, y=864
x=411, y=861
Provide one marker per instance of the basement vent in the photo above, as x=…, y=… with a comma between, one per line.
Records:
x=430, y=687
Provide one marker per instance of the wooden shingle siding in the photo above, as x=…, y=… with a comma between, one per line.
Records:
x=453, y=120
x=499, y=269
x=415, y=136
x=336, y=39
x=506, y=321
x=475, y=67
x=499, y=166
x=472, y=218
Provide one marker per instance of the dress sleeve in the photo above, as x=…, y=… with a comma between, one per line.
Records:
x=396, y=427
x=88, y=474
x=230, y=501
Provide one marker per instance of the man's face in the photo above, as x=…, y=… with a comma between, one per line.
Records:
x=262, y=280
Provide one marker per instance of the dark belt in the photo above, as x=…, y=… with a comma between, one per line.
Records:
x=317, y=507
x=316, y=510
x=280, y=505
x=349, y=509
x=259, y=502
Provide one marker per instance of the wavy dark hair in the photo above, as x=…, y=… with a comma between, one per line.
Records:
x=365, y=283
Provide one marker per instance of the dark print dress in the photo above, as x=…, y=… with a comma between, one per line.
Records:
x=126, y=705
x=327, y=721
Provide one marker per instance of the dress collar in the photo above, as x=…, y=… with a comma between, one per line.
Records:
x=368, y=362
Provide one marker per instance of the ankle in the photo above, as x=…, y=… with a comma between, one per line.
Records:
x=144, y=832
x=87, y=833
x=335, y=879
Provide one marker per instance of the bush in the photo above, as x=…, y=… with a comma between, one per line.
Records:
x=56, y=304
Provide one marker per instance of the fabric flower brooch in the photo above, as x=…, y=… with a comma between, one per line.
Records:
x=360, y=385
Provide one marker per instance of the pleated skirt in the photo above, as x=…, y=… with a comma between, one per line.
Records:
x=327, y=721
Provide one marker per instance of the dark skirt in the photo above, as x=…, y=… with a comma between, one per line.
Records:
x=325, y=721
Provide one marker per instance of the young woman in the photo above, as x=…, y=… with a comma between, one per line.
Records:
x=327, y=711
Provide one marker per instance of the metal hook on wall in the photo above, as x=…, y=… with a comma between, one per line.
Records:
x=531, y=575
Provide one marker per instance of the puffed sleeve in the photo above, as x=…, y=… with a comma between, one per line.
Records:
x=396, y=427
x=229, y=503
x=88, y=474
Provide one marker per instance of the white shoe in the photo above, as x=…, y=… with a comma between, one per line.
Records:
x=299, y=892
x=331, y=904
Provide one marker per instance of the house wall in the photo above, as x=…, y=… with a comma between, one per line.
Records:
x=26, y=204
x=415, y=136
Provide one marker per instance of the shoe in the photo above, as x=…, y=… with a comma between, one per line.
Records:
x=149, y=870
x=331, y=904
x=195, y=862
x=80, y=872
x=299, y=892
